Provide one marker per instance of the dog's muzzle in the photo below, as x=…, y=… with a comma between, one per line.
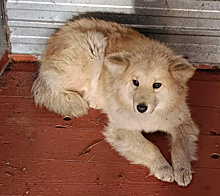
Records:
x=142, y=108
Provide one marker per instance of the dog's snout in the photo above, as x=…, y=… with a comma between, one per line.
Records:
x=141, y=108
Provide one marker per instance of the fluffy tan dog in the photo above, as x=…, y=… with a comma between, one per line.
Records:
x=139, y=83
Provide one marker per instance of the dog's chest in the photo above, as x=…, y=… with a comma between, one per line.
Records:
x=148, y=123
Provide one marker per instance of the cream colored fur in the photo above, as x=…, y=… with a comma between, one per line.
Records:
x=92, y=63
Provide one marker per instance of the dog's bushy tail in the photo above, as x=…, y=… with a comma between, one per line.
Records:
x=64, y=103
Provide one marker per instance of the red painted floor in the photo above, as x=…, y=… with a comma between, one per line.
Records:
x=43, y=154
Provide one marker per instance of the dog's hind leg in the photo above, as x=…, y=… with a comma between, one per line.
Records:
x=133, y=146
x=66, y=103
x=68, y=81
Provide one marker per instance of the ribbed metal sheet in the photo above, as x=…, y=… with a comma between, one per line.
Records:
x=191, y=27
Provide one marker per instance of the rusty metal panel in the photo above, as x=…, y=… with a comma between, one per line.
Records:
x=191, y=27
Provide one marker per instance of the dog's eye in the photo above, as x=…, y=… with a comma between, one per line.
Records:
x=135, y=83
x=157, y=85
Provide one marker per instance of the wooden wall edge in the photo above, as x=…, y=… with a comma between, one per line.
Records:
x=23, y=58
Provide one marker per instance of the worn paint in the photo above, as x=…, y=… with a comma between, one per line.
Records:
x=38, y=159
x=4, y=62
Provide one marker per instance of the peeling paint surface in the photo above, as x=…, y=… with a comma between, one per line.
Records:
x=42, y=153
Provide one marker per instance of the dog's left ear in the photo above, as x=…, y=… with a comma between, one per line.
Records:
x=117, y=63
x=181, y=69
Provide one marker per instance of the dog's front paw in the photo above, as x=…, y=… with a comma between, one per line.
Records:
x=165, y=173
x=183, y=176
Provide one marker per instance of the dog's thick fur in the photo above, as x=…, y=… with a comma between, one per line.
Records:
x=92, y=63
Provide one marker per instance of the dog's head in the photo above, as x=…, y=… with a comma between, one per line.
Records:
x=150, y=79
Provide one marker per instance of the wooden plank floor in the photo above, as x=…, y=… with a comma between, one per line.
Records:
x=43, y=154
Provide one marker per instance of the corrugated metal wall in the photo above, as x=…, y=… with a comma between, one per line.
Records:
x=190, y=27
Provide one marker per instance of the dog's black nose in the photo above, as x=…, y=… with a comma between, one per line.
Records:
x=141, y=108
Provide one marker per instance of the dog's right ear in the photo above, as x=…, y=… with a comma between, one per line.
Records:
x=117, y=63
x=181, y=69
